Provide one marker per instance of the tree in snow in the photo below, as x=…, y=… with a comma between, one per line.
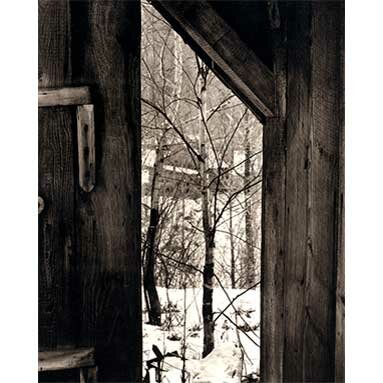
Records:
x=206, y=157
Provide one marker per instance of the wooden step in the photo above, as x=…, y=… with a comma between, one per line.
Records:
x=66, y=359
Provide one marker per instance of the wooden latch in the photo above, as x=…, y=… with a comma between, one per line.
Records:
x=79, y=96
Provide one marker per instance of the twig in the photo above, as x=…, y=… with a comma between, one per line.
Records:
x=231, y=321
x=234, y=299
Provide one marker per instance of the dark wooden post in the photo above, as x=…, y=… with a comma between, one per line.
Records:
x=303, y=276
x=273, y=210
x=340, y=261
x=106, y=56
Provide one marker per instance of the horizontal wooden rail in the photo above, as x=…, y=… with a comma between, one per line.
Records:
x=64, y=96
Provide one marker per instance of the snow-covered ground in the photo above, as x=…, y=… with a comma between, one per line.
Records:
x=236, y=352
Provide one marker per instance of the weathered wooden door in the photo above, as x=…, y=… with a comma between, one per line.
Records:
x=89, y=242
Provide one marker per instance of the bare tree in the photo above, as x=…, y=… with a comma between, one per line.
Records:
x=201, y=117
x=208, y=270
x=250, y=260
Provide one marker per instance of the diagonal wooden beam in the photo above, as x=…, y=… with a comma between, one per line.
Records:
x=244, y=72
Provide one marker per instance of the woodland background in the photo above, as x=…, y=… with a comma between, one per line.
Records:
x=201, y=209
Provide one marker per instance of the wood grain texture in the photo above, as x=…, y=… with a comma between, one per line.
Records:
x=303, y=202
x=66, y=359
x=323, y=175
x=106, y=51
x=64, y=96
x=273, y=251
x=56, y=185
x=86, y=147
x=312, y=191
x=56, y=229
x=247, y=74
x=298, y=190
x=273, y=214
x=54, y=44
x=340, y=271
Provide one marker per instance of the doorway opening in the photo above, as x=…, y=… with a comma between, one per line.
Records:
x=201, y=217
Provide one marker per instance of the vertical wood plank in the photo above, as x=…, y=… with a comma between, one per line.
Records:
x=56, y=229
x=54, y=43
x=106, y=52
x=313, y=192
x=273, y=252
x=340, y=272
x=297, y=185
x=323, y=173
x=56, y=187
x=86, y=147
x=273, y=212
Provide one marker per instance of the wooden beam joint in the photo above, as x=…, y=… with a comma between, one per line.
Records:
x=80, y=97
x=245, y=73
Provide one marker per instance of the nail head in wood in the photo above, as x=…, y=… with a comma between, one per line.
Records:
x=86, y=147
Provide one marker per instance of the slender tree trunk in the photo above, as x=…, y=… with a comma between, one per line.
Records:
x=250, y=259
x=184, y=279
x=178, y=63
x=150, y=290
x=232, y=248
x=151, y=296
x=208, y=271
x=231, y=229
